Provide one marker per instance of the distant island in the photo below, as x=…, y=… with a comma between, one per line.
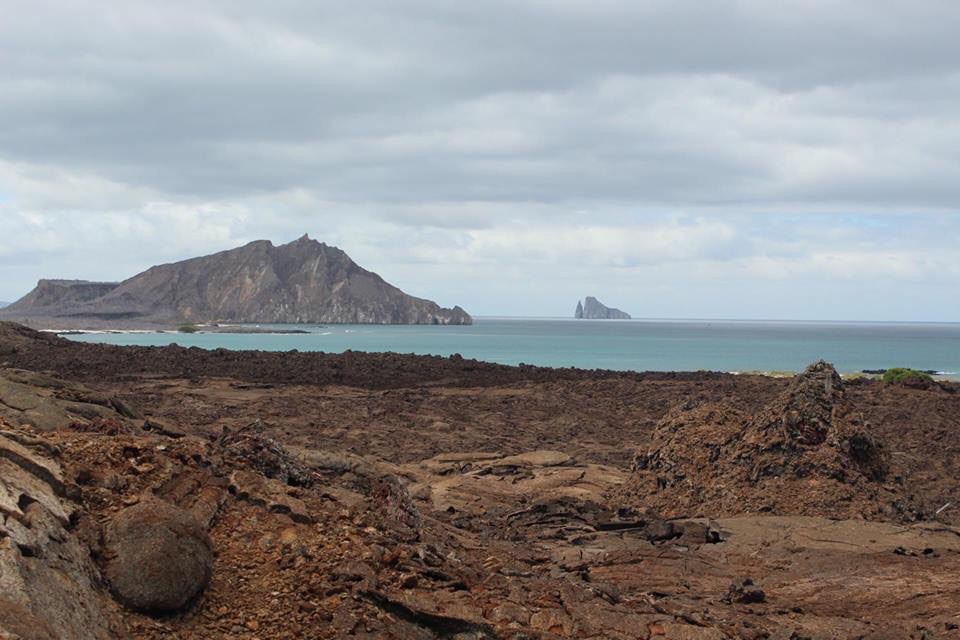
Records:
x=304, y=281
x=593, y=309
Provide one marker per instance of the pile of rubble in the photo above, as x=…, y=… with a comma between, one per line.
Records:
x=808, y=452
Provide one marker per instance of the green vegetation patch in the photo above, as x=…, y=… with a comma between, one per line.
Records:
x=902, y=374
x=188, y=328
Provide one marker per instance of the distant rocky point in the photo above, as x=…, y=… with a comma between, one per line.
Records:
x=301, y=282
x=49, y=294
x=593, y=309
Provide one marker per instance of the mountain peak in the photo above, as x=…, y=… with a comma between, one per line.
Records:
x=304, y=281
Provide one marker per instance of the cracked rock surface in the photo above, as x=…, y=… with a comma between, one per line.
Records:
x=48, y=582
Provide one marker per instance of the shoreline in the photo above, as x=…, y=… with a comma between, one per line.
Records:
x=596, y=347
x=200, y=330
x=869, y=374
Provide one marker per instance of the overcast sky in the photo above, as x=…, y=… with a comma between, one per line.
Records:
x=739, y=159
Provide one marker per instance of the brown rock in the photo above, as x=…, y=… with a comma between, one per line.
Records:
x=745, y=592
x=807, y=451
x=552, y=620
x=510, y=613
x=46, y=586
x=158, y=557
x=27, y=398
x=19, y=623
x=268, y=493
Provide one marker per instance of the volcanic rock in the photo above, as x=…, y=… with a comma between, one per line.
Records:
x=158, y=557
x=593, y=309
x=51, y=293
x=269, y=493
x=47, y=589
x=47, y=403
x=513, y=537
x=807, y=452
x=301, y=282
x=745, y=592
x=265, y=455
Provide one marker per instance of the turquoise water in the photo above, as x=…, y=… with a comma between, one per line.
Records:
x=640, y=345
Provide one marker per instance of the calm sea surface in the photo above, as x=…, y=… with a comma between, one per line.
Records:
x=641, y=345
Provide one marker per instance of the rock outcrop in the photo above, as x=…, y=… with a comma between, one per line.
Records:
x=593, y=309
x=808, y=451
x=62, y=293
x=48, y=582
x=301, y=282
x=47, y=403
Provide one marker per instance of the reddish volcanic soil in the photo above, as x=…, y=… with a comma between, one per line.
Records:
x=388, y=496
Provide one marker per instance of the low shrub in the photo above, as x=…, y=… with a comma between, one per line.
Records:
x=902, y=374
x=188, y=328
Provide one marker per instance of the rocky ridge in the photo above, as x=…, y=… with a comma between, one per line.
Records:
x=301, y=282
x=593, y=309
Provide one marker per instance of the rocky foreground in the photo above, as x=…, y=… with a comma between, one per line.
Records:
x=174, y=493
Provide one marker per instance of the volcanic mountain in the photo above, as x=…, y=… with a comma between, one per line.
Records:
x=304, y=281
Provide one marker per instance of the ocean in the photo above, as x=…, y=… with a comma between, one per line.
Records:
x=638, y=345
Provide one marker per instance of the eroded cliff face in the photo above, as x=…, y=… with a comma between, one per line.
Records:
x=593, y=309
x=61, y=293
x=301, y=282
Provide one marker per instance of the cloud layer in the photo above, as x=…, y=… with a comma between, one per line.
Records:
x=799, y=158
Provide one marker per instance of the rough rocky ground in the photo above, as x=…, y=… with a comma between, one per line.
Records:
x=809, y=451
x=441, y=498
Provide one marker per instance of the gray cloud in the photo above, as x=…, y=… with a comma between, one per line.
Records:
x=489, y=133
x=676, y=102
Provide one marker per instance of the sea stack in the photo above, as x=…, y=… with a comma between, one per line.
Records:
x=593, y=309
